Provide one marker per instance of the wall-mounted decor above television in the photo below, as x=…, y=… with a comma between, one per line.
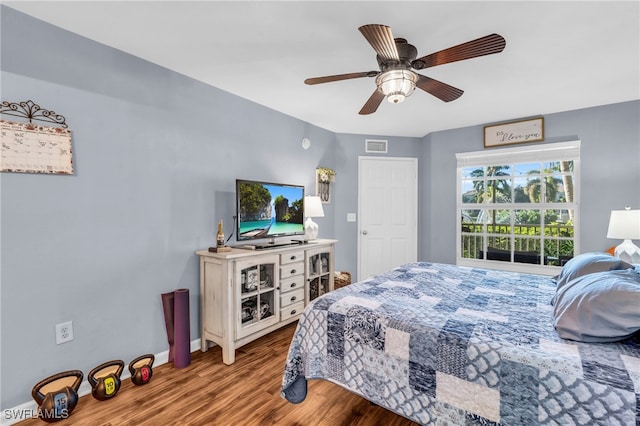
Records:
x=268, y=210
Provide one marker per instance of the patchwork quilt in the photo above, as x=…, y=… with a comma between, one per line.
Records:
x=443, y=344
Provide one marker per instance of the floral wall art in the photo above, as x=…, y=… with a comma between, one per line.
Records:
x=324, y=178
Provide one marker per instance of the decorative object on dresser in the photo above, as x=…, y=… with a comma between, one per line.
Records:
x=220, y=245
x=625, y=225
x=312, y=208
x=245, y=294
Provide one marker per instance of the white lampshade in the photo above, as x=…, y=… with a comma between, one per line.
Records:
x=625, y=225
x=312, y=208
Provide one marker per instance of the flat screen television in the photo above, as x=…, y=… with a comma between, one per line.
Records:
x=268, y=210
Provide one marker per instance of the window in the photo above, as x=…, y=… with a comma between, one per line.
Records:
x=517, y=208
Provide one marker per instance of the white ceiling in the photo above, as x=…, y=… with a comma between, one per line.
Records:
x=559, y=55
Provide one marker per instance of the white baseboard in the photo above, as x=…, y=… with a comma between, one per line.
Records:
x=29, y=409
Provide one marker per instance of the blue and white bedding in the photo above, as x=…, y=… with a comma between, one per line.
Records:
x=442, y=344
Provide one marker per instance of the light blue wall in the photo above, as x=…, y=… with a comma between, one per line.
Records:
x=610, y=167
x=156, y=156
x=348, y=149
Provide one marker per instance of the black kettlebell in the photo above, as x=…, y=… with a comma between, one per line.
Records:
x=140, y=369
x=105, y=379
x=57, y=395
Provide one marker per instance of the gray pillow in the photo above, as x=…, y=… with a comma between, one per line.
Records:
x=587, y=263
x=599, y=307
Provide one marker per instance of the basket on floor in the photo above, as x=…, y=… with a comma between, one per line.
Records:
x=341, y=279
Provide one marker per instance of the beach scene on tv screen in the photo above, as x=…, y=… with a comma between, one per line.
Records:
x=266, y=210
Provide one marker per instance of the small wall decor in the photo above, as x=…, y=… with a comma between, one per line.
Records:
x=31, y=148
x=514, y=132
x=32, y=111
x=324, y=178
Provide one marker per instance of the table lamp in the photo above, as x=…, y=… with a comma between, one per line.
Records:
x=312, y=208
x=625, y=225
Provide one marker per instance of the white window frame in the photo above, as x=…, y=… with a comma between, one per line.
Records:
x=561, y=151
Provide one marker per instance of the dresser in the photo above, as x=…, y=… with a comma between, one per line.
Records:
x=246, y=294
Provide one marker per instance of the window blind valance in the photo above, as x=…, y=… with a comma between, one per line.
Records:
x=561, y=151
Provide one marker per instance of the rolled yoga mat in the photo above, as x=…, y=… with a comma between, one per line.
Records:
x=175, y=305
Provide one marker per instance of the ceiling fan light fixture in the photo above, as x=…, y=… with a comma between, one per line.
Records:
x=397, y=59
x=396, y=85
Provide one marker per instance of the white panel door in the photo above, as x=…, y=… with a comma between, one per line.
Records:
x=388, y=212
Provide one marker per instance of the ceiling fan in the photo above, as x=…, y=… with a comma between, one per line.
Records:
x=397, y=59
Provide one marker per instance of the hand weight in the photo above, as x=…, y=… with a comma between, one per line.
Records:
x=57, y=395
x=140, y=369
x=105, y=379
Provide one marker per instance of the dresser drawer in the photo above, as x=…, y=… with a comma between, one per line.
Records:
x=290, y=311
x=291, y=297
x=292, y=283
x=292, y=269
x=291, y=257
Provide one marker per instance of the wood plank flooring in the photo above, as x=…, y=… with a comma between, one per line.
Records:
x=208, y=392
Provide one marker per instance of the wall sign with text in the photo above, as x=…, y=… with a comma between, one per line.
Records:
x=514, y=132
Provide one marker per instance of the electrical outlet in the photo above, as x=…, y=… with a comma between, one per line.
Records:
x=64, y=332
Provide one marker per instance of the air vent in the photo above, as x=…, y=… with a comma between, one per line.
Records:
x=376, y=146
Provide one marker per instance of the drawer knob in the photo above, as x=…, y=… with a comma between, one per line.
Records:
x=293, y=285
x=293, y=312
x=293, y=257
x=293, y=298
x=293, y=271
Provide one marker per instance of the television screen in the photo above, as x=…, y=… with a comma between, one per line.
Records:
x=268, y=210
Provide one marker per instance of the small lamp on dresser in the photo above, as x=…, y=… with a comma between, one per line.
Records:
x=625, y=225
x=312, y=208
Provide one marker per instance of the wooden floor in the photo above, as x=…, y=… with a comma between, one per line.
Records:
x=208, y=392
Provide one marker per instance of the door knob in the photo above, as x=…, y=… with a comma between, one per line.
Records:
x=364, y=232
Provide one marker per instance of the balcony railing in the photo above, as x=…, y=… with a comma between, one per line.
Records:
x=548, y=245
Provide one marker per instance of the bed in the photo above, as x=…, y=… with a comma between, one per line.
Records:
x=443, y=344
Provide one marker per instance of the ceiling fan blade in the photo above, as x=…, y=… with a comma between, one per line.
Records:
x=372, y=103
x=338, y=77
x=381, y=39
x=438, y=89
x=487, y=45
